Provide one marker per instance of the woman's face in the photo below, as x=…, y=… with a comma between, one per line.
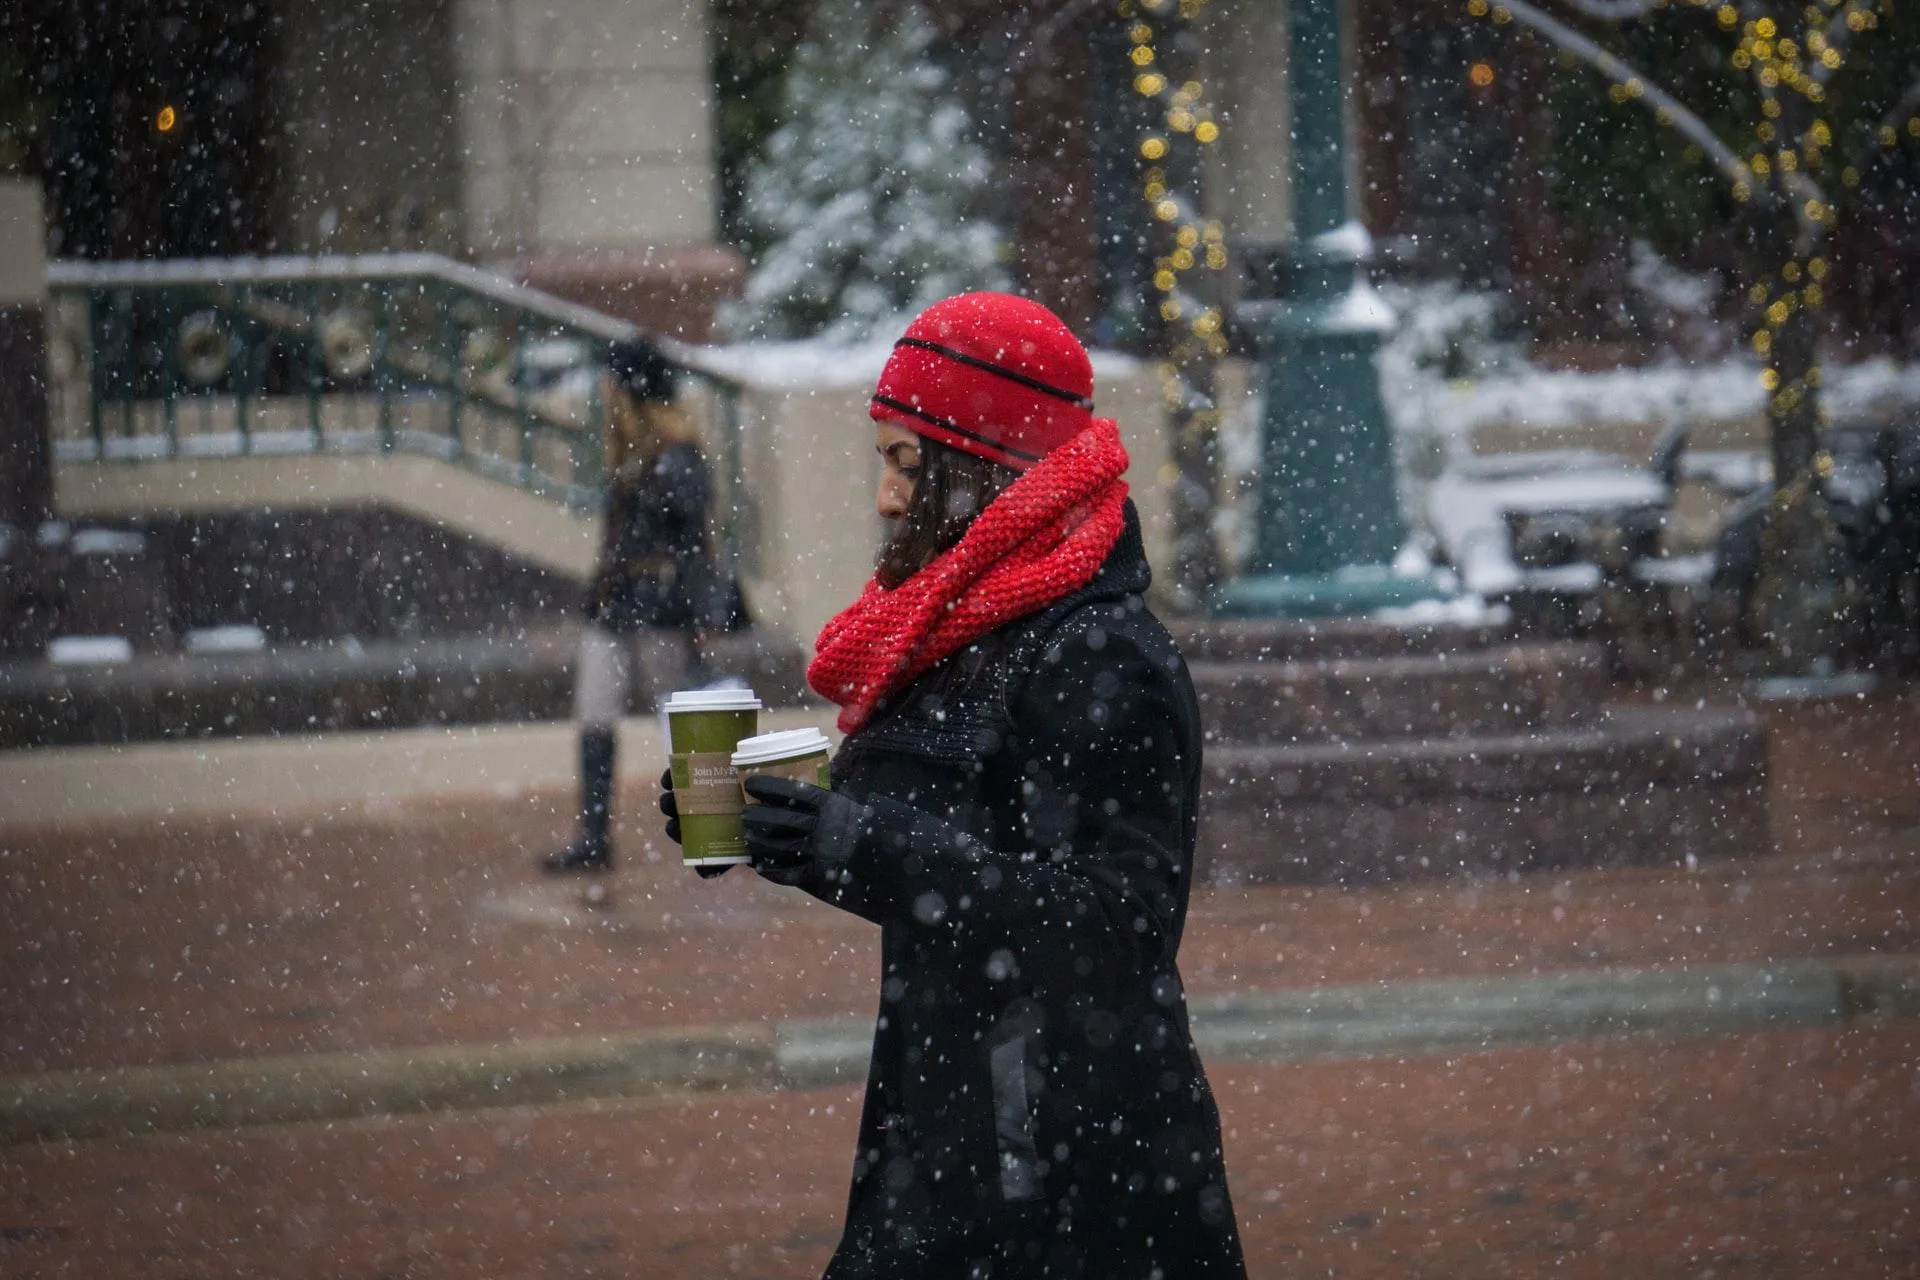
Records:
x=899, y=451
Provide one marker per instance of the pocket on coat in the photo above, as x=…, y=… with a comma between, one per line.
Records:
x=1013, y=1122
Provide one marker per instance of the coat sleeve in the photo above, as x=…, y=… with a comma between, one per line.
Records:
x=685, y=486
x=615, y=510
x=1107, y=742
x=687, y=489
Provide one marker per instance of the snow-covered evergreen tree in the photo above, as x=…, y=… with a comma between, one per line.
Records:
x=864, y=199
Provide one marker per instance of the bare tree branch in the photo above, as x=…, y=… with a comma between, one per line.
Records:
x=1691, y=126
x=1802, y=191
x=1837, y=34
x=1908, y=104
x=1611, y=10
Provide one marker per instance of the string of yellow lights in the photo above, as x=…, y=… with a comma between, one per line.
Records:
x=1194, y=241
x=1783, y=159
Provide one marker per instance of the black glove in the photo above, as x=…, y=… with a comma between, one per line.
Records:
x=671, y=808
x=794, y=828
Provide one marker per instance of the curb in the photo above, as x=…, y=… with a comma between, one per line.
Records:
x=341, y=772
x=1415, y=1017
x=1371, y=1020
x=339, y=1086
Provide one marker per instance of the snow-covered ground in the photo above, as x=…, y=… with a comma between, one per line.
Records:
x=1661, y=394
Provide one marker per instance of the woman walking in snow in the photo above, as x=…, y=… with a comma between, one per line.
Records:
x=1014, y=805
x=654, y=592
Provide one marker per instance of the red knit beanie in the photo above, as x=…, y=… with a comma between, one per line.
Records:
x=995, y=375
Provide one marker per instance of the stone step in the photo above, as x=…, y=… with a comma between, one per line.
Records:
x=1636, y=786
x=376, y=685
x=111, y=583
x=1505, y=688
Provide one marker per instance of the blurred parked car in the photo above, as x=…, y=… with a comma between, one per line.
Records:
x=1577, y=541
x=1540, y=532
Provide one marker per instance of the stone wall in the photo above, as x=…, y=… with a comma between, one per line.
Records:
x=570, y=141
x=1351, y=750
x=585, y=123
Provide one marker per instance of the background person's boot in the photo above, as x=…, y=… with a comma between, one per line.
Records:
x=589, y=851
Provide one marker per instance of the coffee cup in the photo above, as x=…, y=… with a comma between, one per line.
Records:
x=703, y=728
x=790, y=753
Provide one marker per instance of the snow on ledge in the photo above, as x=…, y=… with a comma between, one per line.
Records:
x=1361, y=310
x=796, y=366
x=1348, y=240
x=811, y=364
x=87, y=650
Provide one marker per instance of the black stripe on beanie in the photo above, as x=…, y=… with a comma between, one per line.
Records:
x=956, y=428
x=1012, y=375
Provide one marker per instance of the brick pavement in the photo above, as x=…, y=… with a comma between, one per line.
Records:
x=419, y=923
x=423, y=923
x=1787, y=1154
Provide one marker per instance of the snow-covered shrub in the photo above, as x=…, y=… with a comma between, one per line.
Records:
x=1676, y=309
x=1447, y=332
x=1446, y=337
x=863, y=200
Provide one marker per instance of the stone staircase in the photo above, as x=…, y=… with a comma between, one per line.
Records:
x=194, y=626
x=1350, y=751
x=469, y=679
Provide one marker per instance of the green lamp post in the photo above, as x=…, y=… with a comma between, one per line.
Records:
x=1329, y=522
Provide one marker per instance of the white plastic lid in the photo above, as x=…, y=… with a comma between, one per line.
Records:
x=712, y=700
x=782, y=744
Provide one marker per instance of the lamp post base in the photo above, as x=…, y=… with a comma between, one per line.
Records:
x=1350, y=591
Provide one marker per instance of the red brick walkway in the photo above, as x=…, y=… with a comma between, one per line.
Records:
x=130, y=946
x=1788, y=1155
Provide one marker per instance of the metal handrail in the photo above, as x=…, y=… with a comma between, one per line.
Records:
x=350, y=353
x=71, y=274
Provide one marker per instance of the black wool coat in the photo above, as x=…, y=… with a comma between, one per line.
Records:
x=1034, y=1105
x=653, y=569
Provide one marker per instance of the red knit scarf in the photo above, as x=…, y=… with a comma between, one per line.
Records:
x=1045, y=536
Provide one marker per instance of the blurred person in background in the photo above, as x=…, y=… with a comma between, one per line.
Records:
x=655, y=595
x=1014, y=805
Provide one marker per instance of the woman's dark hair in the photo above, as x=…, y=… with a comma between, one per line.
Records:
x=953, y=488
x=639, y=369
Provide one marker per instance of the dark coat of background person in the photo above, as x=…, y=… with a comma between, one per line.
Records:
x=1035, y=1105
x=656, y=594
x=655, y=568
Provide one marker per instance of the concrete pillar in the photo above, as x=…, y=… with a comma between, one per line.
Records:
x=26, y=472
x=1249, y=174
x=587, y=132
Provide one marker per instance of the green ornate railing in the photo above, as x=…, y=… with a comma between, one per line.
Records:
x=410, y=352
